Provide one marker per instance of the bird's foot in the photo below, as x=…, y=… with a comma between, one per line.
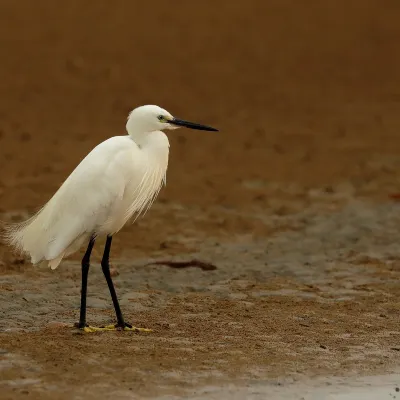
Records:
x=126, y=327
x=89, y=329
x=114, y=327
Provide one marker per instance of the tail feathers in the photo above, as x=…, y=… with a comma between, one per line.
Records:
x=25, y=239
x=54, y=232
x=46, y=264
x=55, y=262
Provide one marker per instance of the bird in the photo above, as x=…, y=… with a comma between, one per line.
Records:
x=116, y=182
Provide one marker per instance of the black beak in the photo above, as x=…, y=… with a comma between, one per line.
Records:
x=191, y=125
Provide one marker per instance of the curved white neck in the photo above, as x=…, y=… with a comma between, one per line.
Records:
x=136, y=131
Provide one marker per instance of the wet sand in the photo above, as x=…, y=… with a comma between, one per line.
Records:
x=295, y=200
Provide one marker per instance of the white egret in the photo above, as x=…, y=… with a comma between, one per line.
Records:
x=119, y=179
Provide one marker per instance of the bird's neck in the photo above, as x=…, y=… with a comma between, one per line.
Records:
x=138, y=130
x=155, y=142
x=140, y=138
x=155, y=148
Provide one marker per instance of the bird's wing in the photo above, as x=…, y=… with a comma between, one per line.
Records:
x=82, y=203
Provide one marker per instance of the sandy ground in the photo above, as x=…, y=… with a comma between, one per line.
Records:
x=295, y=200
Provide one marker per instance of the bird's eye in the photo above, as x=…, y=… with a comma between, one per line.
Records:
x=161, y=118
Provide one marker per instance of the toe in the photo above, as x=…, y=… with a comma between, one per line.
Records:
x=89, y=329
x=135, y=329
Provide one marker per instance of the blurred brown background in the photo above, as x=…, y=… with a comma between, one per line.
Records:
x=305, y=92
x=306, y=95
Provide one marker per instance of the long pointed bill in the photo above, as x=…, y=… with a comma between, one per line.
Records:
x=191, y=125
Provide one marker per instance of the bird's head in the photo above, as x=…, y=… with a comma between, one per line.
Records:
x=152, y=118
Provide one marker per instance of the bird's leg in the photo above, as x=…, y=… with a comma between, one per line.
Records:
x=121, y=324
x=85, y=272
x=105, y=265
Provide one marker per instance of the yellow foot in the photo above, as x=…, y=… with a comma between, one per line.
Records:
x=91, y=329
x=127, y=327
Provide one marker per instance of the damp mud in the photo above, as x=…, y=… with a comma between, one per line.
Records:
x=291, y=212
x=318, y=299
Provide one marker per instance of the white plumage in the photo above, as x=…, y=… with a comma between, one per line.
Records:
x=118, y=179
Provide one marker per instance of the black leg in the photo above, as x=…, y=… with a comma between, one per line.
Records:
x=85, y=272
x=106, y=271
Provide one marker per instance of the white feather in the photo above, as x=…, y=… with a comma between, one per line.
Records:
x=119, y=178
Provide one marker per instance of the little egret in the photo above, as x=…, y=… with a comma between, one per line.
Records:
x=120, y=178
